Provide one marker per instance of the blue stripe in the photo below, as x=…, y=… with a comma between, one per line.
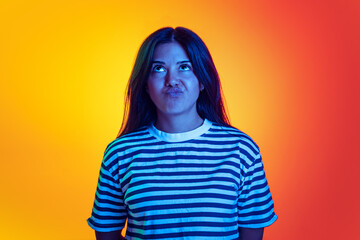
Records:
x=187, y=206
x=183, y=224
x=257, y=221
x=107, y=201
x=216, y=142
x=259, y=204
x=254, y=196
x=159, y=158
x=151, y=189
x=105, y=209
x=183, y=234
x=112, y=217
x=103, y=226
x=182, y=196
x=178, y=173
x=106, y=185
x=105, y=193
x=182, y=165
x=256, y=187
x=197, y=180
x=180, y=149
x=184, y=216
x=259, y=212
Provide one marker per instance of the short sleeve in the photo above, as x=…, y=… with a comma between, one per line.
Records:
x=255, y=204
x=109, y=212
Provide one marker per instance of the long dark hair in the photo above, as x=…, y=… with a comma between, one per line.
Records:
x=140, y=110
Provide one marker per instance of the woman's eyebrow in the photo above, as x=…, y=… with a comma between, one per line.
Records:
x=184, y=61
x=157, y=62
x=179, y=62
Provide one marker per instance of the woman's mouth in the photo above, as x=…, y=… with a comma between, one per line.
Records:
x=174, y=92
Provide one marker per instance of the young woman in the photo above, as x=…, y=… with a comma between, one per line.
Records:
x=178, y=169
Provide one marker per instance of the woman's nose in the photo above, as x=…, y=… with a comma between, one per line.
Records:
x=171, y=78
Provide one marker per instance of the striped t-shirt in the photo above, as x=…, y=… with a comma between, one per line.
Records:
x=201, y=184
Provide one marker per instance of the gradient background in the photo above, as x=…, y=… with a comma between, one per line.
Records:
x=290, y=74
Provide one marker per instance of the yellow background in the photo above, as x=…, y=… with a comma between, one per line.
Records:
x=290, y=74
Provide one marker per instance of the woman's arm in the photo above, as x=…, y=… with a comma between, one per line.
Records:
x=115, y=235
x=251, y=233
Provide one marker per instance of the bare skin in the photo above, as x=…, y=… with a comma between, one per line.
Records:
x=114, y=235
x=251, y=233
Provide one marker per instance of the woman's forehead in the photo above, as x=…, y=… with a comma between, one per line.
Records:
x=169, y=50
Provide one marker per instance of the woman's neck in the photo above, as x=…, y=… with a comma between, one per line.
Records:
x=178, y=124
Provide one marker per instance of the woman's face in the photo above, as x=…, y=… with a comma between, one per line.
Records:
x=172, y=84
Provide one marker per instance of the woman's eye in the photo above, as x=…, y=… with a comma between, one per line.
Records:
x=185, y=67
x=158, y=68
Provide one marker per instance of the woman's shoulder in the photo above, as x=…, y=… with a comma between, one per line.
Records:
x=243, y=139
x=127, y=140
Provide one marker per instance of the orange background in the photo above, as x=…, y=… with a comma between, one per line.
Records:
x=290, y=74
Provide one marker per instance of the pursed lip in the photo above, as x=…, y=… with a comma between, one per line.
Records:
x=174, y=92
